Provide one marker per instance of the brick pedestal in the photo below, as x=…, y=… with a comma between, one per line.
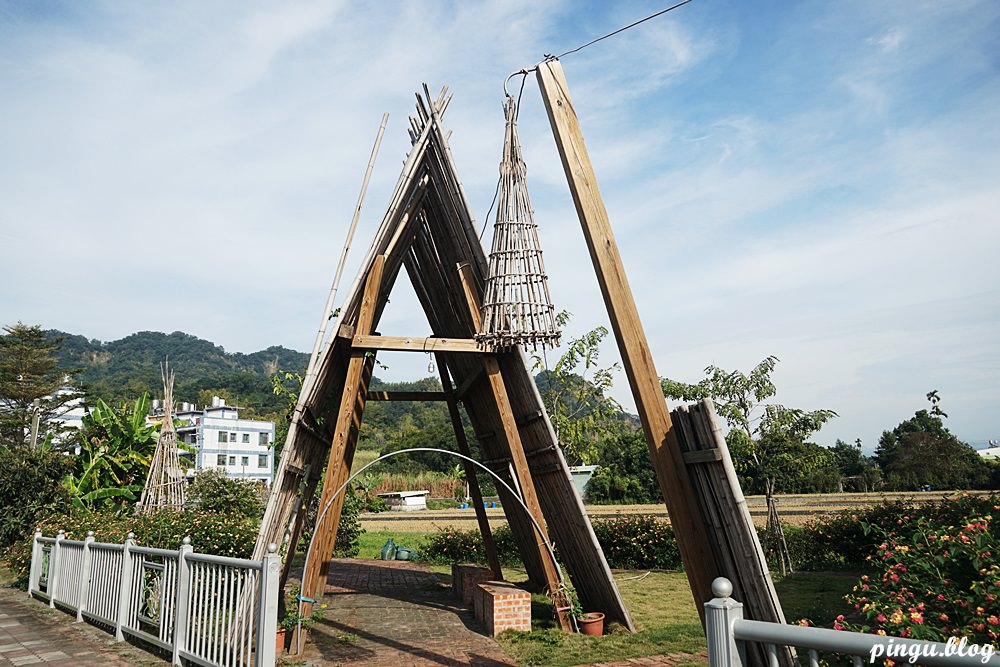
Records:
x=502, y=606
x=465, y=579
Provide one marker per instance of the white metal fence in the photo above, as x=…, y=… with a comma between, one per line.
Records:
x=728, y=632
x=203, y=609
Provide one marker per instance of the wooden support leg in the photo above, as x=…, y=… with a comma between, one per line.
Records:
x=685, y=514
x=510, y=435
x=470, y=469
x=338, y=467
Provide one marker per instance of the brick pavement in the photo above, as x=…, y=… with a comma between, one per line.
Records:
x=398, y=614
x=33, y=634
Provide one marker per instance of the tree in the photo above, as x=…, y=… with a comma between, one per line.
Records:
x=30, y=488
x=767, y=440
x=114, y=458
x=573, y=393
x=626, y=473
x=31, y=384
x=857, y=471
x=921, y=452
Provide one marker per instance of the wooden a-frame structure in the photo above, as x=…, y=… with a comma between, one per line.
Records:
x=428, y=230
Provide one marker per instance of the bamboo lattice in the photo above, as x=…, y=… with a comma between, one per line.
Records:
x=165, y=482
x=517, y=309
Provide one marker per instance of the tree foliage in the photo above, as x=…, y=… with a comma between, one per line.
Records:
x=921, y=452
x=767, y=440
x=626, y=474
x=30, y=372
x=30, y=488
x=574, y=393
x=114, y=457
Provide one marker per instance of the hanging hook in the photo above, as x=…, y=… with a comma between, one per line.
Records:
x=430, y=363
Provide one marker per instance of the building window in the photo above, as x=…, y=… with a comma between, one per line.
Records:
x=246, y=438
x=194, y=438
x=232, y=460
x=221, y=460
x=244, y=460
x=232, y=437
x=263, y=439
x=262, y=461
x=223, y=437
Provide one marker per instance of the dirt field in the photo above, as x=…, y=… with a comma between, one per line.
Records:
x=794, y=509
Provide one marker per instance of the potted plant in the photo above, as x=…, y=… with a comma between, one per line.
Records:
x=588, y=622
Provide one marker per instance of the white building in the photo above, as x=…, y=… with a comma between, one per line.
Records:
x=241, y=447
x=991, y=452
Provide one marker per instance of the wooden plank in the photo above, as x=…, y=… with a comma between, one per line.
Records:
x=345, y=434
x=407, y=396
x=703, y=456
x=637, y=359
x=410, y=344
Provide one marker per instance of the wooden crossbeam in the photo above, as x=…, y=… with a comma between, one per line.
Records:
x=407, y=396
x=410, y=344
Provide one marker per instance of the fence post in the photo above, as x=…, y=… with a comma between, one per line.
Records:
x=720, y=612
x=267, y=610
x=88, y=557
x=54, y=569
x=124, y=587
x=181, y=601
x=35, y=573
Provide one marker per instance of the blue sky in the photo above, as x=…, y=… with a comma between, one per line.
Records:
x=812, y=180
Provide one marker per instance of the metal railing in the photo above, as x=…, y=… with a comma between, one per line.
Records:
x=202, y=609
x=728, y=632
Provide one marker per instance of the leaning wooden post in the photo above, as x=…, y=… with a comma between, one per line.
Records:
x=338, y=466
x=685, y=515
x=470, y=470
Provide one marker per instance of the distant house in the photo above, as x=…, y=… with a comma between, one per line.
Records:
x=990, y=452
x=240, y=447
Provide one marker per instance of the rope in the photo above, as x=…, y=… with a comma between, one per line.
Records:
x=549, y=57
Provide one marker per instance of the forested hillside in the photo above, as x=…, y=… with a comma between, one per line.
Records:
x=125, y=368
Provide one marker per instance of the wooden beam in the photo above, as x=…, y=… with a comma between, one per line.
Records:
x=637, y=359
x=407, y=396
x=345, y=435
x=410, y=344
x=470, y=470
x=512, y=437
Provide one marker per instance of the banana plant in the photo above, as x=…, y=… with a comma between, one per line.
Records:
x=115, y=455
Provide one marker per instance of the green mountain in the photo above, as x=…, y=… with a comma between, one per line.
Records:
x=123, y=369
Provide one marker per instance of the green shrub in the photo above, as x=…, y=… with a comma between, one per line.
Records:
x=451, y=545
x=629, y=543
x=30, y=487
x=210, y=532
x=638, y=542
x=214, y=491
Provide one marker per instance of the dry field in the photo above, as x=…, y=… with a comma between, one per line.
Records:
x=794, y=509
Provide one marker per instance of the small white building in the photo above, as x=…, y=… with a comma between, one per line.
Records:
x=406, y=501
x=241, y=447
x=990, y=452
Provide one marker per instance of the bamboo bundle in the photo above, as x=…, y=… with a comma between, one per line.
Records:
x=517, y=309
x=165, y=482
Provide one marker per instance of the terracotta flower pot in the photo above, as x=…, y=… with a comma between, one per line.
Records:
x=280, y=640
x=591, y=623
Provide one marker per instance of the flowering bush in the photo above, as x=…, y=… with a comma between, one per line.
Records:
x=935, y=577
x=451, y=545
x=210, y=532
x=634, y=542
